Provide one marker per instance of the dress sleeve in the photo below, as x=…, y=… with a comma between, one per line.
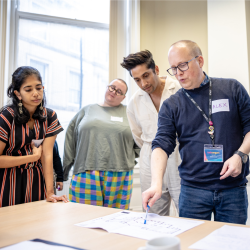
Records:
x=54, y=127
x=6, y=119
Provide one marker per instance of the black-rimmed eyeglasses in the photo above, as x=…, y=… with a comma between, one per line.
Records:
x=182, y=67
x=112, y=88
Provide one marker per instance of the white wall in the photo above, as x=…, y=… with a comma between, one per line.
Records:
x=166, y=22
x=227, y=40
x=228, y=54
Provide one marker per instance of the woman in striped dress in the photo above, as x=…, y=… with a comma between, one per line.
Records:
x=26, y=172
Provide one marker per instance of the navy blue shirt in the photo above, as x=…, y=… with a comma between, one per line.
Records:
x=179, y=116
x=57, y=163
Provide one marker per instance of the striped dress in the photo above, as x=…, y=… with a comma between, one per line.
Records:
x=24, y=183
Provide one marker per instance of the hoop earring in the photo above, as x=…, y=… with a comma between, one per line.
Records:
x=20, y=107
x=41, y=107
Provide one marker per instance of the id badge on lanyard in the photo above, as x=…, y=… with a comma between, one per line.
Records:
x=212, y=152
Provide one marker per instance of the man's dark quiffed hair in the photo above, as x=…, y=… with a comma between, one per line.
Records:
x=132, y=60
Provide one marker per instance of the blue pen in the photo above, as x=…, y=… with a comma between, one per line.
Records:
x=145, y=221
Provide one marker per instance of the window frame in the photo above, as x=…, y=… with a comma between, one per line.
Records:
x=73, y=70
x=54, y=19
x=48, y=76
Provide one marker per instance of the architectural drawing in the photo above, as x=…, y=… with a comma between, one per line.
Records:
x=132, y=224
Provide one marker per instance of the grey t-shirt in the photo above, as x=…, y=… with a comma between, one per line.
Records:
x=99, y=138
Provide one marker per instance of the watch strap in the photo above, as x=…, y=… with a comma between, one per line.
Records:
x=242, y=155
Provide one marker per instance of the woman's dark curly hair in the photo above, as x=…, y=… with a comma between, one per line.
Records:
x=18, y=78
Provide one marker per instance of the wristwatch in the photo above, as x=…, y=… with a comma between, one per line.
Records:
x=244, y=157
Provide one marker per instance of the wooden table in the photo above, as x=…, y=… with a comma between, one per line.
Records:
x=55, y=222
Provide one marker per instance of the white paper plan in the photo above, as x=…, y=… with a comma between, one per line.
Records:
x=132, y=224
x=225, y=238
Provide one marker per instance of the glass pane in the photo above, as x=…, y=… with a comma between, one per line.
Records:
x=74, y=90
x=88, y=10
x=41, y=67
x=59, y=57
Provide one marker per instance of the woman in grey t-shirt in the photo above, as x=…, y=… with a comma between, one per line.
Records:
x=100, y=146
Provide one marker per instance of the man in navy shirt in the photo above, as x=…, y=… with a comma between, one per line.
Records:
x=211, y=118
x=57, y=165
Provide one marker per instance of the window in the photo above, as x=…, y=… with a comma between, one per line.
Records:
x=74, y=88
x=38, y=30
x=74, y=45
x=65, y=40
x=94, y=11
x=41, y=67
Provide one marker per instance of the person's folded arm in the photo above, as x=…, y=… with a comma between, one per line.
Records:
x=7, y=161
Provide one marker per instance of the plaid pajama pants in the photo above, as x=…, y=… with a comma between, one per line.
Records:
x=102, y=188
